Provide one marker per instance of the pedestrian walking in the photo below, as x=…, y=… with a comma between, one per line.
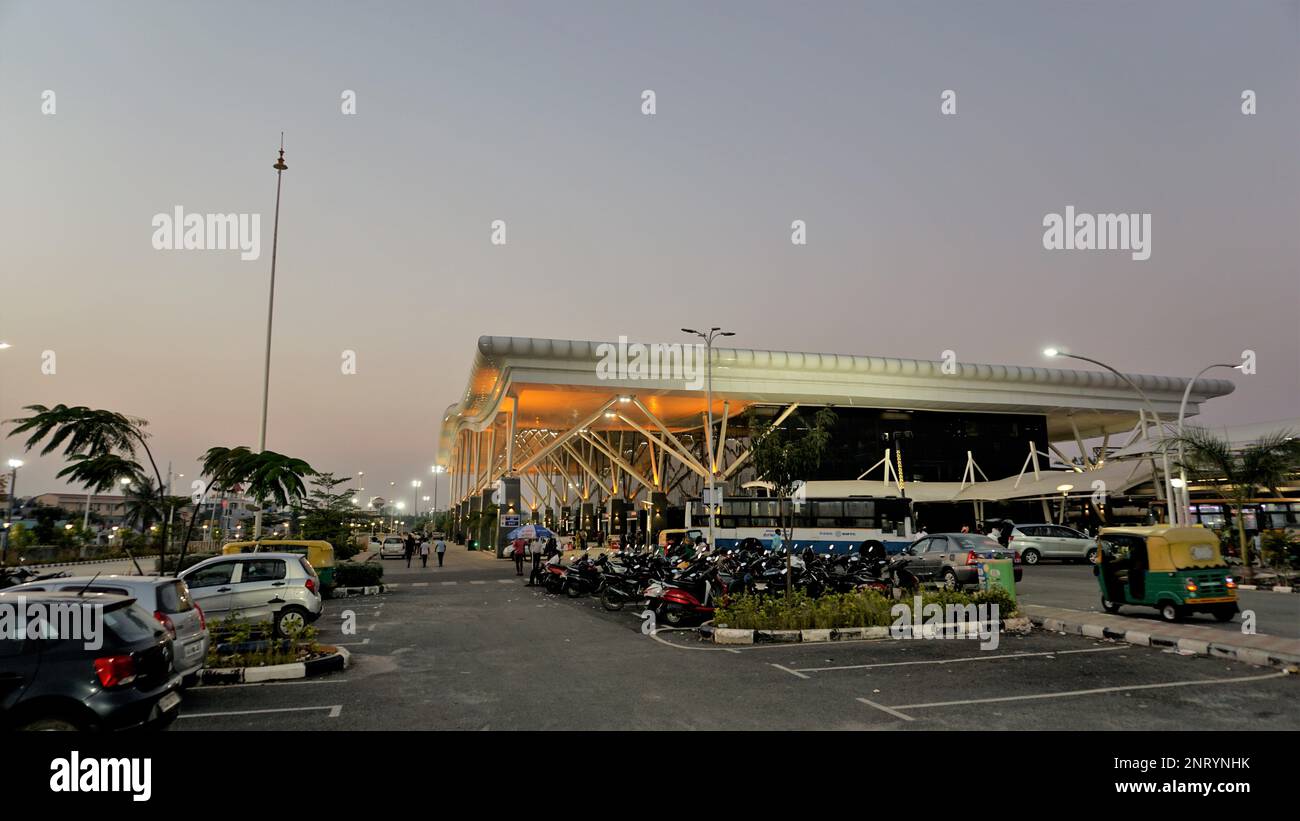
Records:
x=410, y=548
x=441, y=548
x=424, y=553
x=518, y=553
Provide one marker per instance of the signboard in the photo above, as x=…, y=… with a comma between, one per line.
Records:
x=510, y=521
x=714, y=499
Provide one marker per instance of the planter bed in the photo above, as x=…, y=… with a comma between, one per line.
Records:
x=329, y=660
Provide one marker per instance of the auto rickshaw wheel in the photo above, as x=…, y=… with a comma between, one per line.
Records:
x=1224, y=613
x=1108, y=605
x=1170, y=611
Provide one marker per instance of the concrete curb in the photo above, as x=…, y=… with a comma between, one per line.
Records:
x=1280, y=588
x=338, y=660
x=1149, y=636
x=730, y=635
x=349, y=592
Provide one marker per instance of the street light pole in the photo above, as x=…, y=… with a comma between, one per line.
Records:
x=270, y=315
x=708, y=338
x=14, y=464
x=1164, y=452
x=1185, y=496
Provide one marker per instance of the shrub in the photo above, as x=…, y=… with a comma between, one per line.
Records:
x=838, y=610
x=236, y=644
x=1280, y=548
x=365, y=574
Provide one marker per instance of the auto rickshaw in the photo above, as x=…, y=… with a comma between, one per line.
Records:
x=1176, y=570
x=320, y=553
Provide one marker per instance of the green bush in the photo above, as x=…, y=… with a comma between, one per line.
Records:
x=365, y=574
x=1281, y=549
x=838, y=610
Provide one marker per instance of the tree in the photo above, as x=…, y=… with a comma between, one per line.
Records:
x=786, y=456
x=266, y=476
x=1239, y=472
x=100, y=445
x=326, y=511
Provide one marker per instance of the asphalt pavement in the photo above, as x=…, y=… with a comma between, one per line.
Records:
x=469, y=647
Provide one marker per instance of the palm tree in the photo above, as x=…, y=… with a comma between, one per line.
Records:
x=267, y=477
x=1240, y=472
x=97, y=442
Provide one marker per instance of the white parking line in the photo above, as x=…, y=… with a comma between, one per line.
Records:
x=504, y=581
x=335, y=710
x=896, y=710
x=885, y=709
x=478, y=582
x=350, y=643
x=953, y=661
x=451, y=582
x=791, y=672
x=420, y=584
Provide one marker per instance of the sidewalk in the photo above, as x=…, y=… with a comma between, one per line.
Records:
x=1195, y=638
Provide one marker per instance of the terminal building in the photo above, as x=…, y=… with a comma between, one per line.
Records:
x=613, y=438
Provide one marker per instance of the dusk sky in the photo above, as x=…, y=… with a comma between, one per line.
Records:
x=925, y=231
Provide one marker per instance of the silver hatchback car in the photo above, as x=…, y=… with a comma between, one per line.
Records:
x=166, y=597
x=281, y=588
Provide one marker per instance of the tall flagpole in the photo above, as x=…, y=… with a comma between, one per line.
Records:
x=270, y=314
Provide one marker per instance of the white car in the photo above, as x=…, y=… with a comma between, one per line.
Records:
x=1047, y=541
x=394, y=547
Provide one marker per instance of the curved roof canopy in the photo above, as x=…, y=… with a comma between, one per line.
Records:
x=559, y=382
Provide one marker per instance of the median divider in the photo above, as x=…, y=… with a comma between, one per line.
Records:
x=727, y=635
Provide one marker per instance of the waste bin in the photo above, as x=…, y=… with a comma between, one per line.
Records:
x=997, y=573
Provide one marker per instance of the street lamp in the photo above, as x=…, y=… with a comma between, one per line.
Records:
x=1064, y=490
x=713, y=333
x=14, y=464
x=280, y=168
x=436, y=470
x=1164, y=453
x=1184, y=495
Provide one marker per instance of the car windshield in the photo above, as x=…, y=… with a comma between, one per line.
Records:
x=174, y=597
x=970, y=542
x=129, y=624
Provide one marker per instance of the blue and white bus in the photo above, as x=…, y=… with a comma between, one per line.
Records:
x=826, y=525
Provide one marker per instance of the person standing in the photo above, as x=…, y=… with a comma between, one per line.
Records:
x=410, y=548
x=441, y=548
x=424, y=553
x=518, y=553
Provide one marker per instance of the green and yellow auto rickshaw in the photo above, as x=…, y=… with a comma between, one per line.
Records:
x=1176, y=570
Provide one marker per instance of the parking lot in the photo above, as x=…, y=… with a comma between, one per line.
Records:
x=469, y=647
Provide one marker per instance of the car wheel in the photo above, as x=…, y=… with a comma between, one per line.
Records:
x=1030, y=556
x=1171, y=612
x=950, y=581
x=50, y=724
x=1108, y=605
x=290, y=621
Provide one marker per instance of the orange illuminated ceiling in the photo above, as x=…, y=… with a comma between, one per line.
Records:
x=560, y=407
